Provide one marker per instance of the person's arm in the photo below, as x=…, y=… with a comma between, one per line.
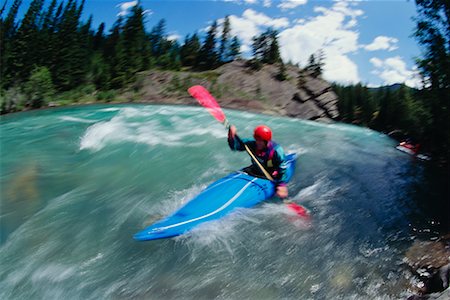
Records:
x=235, y=143
x=280, y=162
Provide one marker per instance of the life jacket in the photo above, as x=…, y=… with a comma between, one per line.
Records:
x=267, y=156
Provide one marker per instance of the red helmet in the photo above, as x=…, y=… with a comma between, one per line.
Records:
x=262, y=132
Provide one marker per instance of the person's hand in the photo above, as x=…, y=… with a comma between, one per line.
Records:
x=282, y=191
x=232, y=131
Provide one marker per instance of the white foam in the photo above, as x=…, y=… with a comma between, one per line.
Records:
x=99, y=134
x=143, y=127
x=75, y=119
x=295, y=148
x=110, y=109
x=92, y=260
x=216, y=235
x=174, y=201
x=53, y=273
x=310, y=190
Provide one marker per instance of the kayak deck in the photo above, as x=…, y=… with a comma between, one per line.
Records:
x=238, y=189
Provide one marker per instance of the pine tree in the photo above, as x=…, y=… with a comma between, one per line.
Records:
x=273, y=54
x=235, y=48
x=46, y=36
x=208, y=57
x=134, y=38
x=315, y=64
x=2, y=10
x=189, y=51
x=265, y=47
x=433, y=34
x=25, y=43
x=368, y=106
x=9, y=25
x=47, y=18
x=282, y=73
x=157, y=38
x=171, y=59
x=99, y=38
x=99, y=73
x=114, y=54
x=224, y=50
x=8, y=29
x=69, y=66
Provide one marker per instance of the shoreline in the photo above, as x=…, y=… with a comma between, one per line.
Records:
x=417, y=250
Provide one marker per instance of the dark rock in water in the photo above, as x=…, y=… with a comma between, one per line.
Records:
x=430, y=262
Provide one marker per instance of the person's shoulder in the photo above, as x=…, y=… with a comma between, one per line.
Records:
x=278, y=148
x=249, y=141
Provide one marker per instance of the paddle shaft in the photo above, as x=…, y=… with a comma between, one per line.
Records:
x=260, y=166
x=209, y=102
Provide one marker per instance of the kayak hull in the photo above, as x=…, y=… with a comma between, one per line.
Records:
x=411, y=152
x=237, y=190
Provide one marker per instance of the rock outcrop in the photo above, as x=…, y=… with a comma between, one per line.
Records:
x=430, y=263
x=235, y=85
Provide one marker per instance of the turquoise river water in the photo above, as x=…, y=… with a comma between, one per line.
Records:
x=77, y=183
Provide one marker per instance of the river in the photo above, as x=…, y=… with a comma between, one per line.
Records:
x=78, y=182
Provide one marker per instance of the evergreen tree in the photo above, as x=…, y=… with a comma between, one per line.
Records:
x=282, y=73
x=208, y=57
x=99, y=38
x=224, y=50
x=69, y=65
x=114, y=54
x=265, y=47
x=273, y=55
x=157, y=38
x=47, y=18
x=301, y=79
x=8, y=28
x=189, y=51
x=235, y=48
x=368, y=107
x=315, y=64
x=433, y=34
x=2, y=10
x=134, y=38
x=25, y=43
x=171, y=59
x=46, y=41
x=258, y=44
x=8, y=25
x=386, y=112
x=99, y=73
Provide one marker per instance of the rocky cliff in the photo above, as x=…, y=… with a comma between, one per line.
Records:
x=235, y=85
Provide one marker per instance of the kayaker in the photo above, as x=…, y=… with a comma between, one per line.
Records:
x=268, y=153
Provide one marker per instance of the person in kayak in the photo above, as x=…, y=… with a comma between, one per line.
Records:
x=269, y=154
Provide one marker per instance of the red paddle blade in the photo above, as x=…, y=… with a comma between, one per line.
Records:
x=207, y=100
x=300, y=217
x=299, y=210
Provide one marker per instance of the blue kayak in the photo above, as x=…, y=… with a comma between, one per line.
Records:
x=221, y=197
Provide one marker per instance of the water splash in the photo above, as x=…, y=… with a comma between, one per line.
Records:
x=140, y=163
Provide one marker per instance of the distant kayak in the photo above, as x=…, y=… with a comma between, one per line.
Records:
x=236, y=190
x=406, y=150
x=410, y=151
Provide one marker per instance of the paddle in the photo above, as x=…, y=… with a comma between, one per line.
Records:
x=207, y=100
x=203, y=96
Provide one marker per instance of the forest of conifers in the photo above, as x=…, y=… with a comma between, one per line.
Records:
x=51, y=50
x=421, y=115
